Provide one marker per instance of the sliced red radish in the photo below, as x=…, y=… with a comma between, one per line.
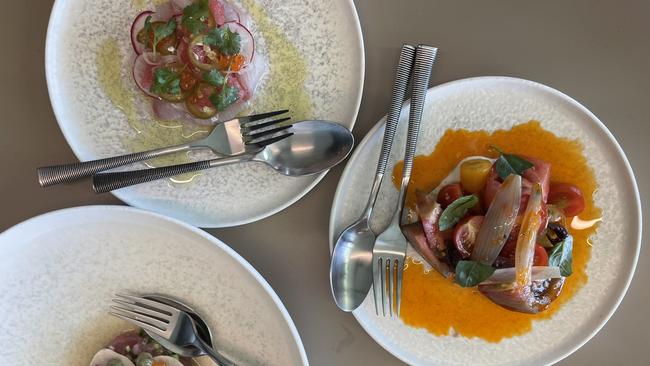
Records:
x=166, y=11
x=181, y=4
x=246, y=39
x=136, y=27
x=230, y=13
x=143, y=75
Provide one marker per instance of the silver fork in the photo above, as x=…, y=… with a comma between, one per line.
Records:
x=227, y=138
x=389, y=252
x=167, y=322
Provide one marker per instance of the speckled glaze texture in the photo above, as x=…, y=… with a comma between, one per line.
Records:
x=326, y=33
x=60, y=270
x=492, y=103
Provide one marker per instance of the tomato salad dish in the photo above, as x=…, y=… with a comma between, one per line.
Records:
x=196, y=59
x=136, y=348
x=500, y=225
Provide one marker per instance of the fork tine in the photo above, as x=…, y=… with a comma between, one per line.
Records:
x=262, y=142
x=139, y=323
x=259, y=125
x=266, y=132
x=142, y=317
x=256, y=117
x=383, y=288
x=142, y=309
x=376, y=279
x=154, y=305
x=391, y=284
x=400, y=271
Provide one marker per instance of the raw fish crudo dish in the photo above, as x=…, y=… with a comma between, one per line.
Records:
x=501, y=225
x=196, y=59
x=136, y=348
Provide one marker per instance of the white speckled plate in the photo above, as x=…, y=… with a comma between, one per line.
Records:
x=58, y=272
x=499, y=103
x=326, y=33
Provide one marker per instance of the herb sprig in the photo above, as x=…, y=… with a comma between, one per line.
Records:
x=227, y=41
x=508, y=164
x=195, y=15
x=166, y=81
x=159, y=32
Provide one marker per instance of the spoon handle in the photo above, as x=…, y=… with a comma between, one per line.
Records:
x=397, y=99
x=106, y=182
x=425, y=56
x=217, y=357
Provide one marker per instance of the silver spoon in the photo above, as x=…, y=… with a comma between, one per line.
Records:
x=202, y=328
x=315, y=146
x=351, y=267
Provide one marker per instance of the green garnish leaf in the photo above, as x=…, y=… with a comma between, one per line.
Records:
x=456, y=211
x=164, y=31
x=562, y=256
x=214, y=77
x=470, y=273
x=195, y=15
x=166, y=81
x=508, y=164
x=227, y=41
x=227, y=96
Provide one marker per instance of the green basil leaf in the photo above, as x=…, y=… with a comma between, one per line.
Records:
x=508, y=164
x=456, y=211
x=470, y=273
x=562, y=256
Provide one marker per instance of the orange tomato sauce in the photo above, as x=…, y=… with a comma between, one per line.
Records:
x=442, y=307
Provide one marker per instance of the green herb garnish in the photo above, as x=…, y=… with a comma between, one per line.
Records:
x=227, y=96
x=508, y=164
x=470, y=273
x=195, y=15
x=456, y=211
x=159, y=32
x=562, y=256
x=166, y=81
x=227, y=41
x=214, y=77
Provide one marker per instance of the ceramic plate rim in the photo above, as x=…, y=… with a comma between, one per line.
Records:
x=597, y=124
x=52, y=84
x=20, y=227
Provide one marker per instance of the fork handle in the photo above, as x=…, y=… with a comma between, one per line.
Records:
x=67, y=173
x=106, y=182
x=402, y=78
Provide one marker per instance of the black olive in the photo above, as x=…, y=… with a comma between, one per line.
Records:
x=556, y=233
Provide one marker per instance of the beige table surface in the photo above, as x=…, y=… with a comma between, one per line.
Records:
x=596, y=51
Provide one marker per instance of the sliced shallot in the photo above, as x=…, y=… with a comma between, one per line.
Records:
x=528, y=236
x=498, y=222
x=507, y=275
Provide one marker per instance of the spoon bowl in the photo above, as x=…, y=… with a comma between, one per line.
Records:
x=351, y=267
x=315, y=146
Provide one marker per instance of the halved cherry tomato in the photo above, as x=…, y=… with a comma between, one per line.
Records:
x=449, y=194
x=541, y=257
x=198, y=102
x=507, y=256
x=567, y=197
x=465, y=234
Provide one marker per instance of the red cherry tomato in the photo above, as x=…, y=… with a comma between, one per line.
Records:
x=449, y=194
x=465, y=234
x=567, y=197
x=507, y=256
x=541, y=257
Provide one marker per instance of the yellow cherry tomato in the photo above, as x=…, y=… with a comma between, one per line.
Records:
x=473, y=174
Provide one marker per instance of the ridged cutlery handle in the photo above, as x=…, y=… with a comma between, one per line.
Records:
x=402, y=77
x=67, y=173
x=106, y=182
x=425, y=56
